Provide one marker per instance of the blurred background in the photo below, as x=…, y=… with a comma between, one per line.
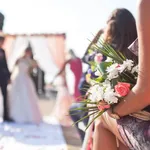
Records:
x=79, y=20
x=51, y=28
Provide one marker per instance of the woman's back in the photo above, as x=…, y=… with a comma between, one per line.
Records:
x=76, y=68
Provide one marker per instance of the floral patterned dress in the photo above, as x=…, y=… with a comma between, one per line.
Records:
x=135, y=132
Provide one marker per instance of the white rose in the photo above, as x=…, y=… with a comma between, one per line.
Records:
x=110, y=96
x=112, y=71
x=127, y=64
x=109, y=59
x=135, y=69
x=96, y=93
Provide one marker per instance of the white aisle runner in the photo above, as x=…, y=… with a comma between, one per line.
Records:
x=46, y=136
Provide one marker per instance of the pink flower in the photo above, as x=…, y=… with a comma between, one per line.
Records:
x=98, y=58
x=118, y=66
x=122, y=88
x=103, y=105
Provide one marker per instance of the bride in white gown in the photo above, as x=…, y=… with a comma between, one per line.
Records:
x=23, y=106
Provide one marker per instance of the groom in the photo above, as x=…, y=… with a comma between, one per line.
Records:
x=4, y=78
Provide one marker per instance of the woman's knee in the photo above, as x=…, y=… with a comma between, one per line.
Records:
x=98, y=124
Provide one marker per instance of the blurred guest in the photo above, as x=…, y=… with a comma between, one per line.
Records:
x=64, y=98
x=83, y=87
x=76, y=68
x=120, y=32
x=37, y=74
x=2, y=17
x=4, y=78
x=23, y=103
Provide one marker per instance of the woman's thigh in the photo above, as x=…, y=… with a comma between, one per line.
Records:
x=111, y=124
x=134, y=132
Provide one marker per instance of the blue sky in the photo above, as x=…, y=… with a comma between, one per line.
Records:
x=79, y=19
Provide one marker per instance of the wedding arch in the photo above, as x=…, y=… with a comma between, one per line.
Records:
x=48, y=49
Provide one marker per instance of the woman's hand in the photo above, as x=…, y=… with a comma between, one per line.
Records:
x=9, y=81
x=135, y=101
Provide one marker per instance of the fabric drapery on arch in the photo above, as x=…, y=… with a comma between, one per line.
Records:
x=8, y=45
x=58, y=51
x=47, y=48
x=57, y=48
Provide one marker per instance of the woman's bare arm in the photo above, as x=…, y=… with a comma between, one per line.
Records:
x=139, y=97
x=61, y=70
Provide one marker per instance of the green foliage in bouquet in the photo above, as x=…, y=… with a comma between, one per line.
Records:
x=116, y=77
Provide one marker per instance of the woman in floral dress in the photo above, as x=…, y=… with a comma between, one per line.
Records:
x=132, y=133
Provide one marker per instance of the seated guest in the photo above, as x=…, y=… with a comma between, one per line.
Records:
x=78, y=114
x=120, y=32
x=37, y=75
x=83, y=87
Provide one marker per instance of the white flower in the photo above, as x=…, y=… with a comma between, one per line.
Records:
x=135, y=69
x=109, y=59
x=113, y=74
x=106, y=84
x=96, y=93
x=112, y=71
x=97, y=73
x=111, y=68
x=110, y=96
x=127, y=64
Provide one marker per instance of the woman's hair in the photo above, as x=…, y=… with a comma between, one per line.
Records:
x=29, y=49
x=121, y=31
x=72, y=53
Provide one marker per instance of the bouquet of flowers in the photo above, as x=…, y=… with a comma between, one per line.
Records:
x=113, y=80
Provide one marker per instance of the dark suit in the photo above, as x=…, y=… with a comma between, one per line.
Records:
x=4, y=78
x=38, y=79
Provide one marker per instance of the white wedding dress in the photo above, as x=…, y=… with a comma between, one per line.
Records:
x=23, y=100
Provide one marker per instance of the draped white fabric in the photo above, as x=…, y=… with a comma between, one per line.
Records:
x=41, y=52
x=43, y=56
x=17, y=50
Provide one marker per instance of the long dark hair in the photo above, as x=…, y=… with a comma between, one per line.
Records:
x=121, y=31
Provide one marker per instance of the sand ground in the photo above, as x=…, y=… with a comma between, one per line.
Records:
x=70, y=133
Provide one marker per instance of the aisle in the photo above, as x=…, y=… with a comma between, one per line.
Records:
x=46, y=136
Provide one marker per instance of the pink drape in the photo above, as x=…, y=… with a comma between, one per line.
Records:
x=56, y=43
x=57, y=49
x=8, y=45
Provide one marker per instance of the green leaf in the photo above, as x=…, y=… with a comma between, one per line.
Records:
x=108, y=51
x=103, y=66
x=123, y=57
x=99, y=114
x=90, y=51
x=86, y=117
x=99, y=79
x=93, y=68
x=114, y=82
